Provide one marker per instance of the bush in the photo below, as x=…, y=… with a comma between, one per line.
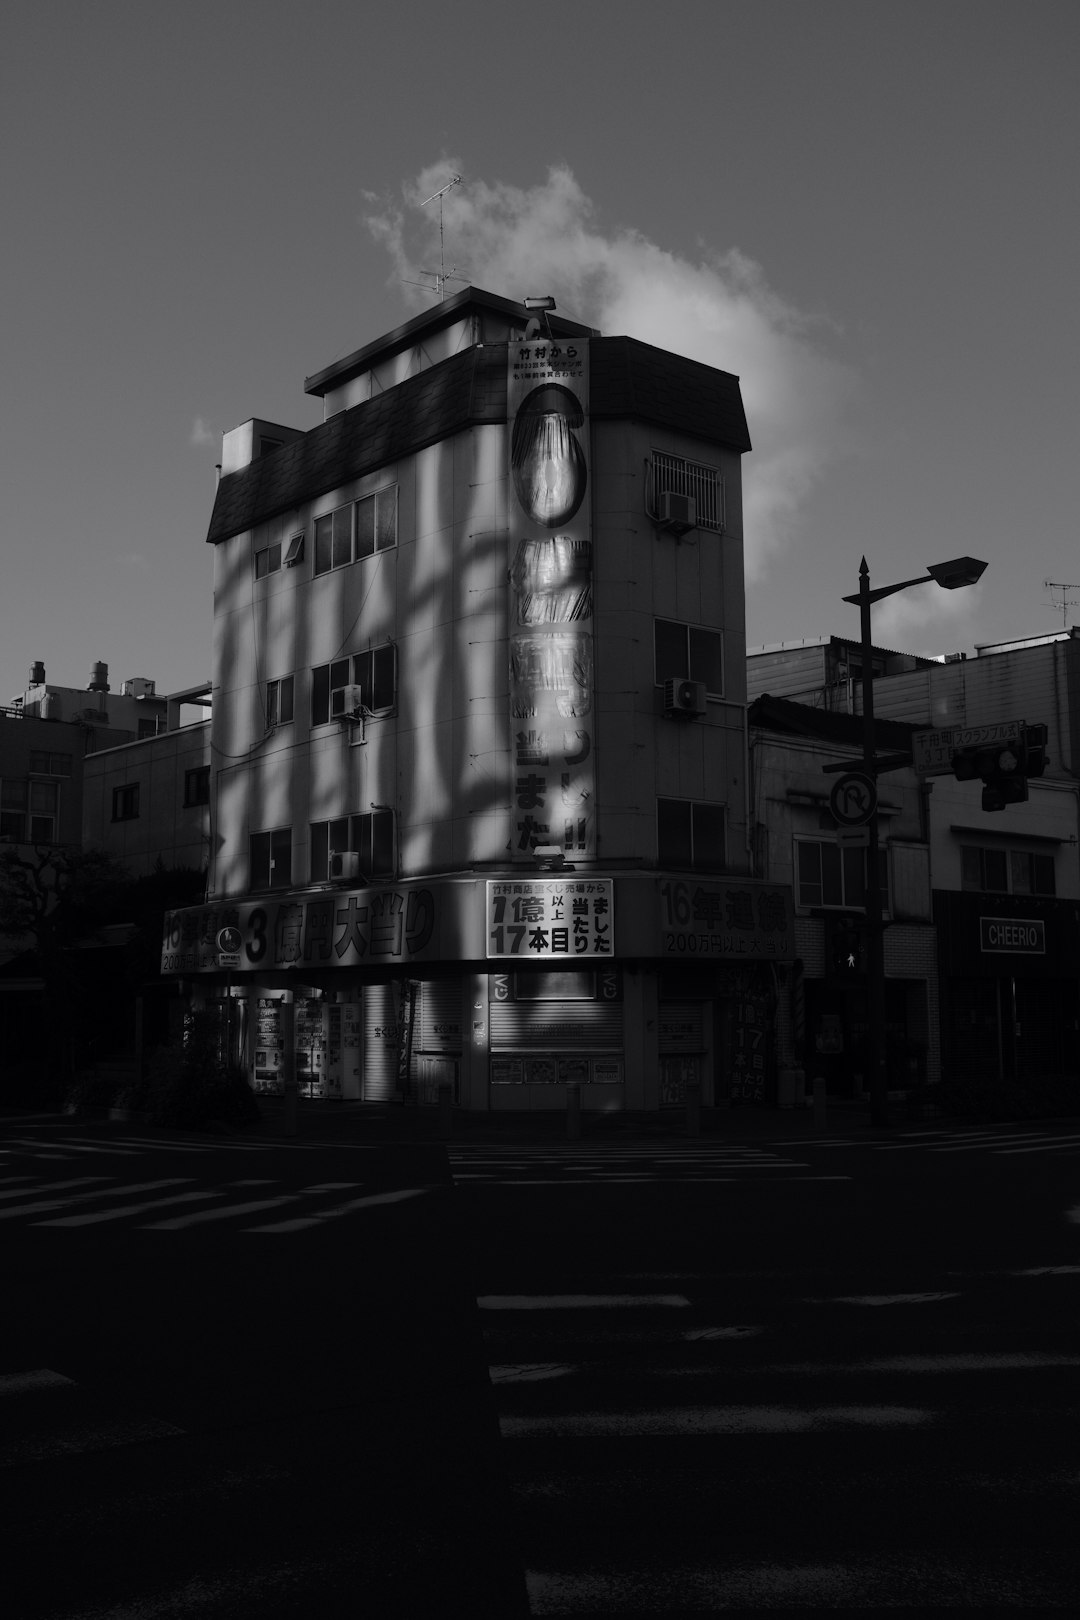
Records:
x=1045, y=1097
x=186, y=1087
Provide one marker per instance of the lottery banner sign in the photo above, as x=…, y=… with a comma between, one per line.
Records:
x=559, y=919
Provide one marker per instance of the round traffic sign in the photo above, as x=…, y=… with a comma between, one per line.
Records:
x=853, y=798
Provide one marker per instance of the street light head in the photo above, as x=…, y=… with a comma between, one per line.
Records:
x=960, y=571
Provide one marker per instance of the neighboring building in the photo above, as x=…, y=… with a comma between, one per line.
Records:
x=822, y=1025
x=479, y=749
x=106, y=717
x=1006, y=884
x=148, y=802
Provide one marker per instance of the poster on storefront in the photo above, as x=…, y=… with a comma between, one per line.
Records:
x=541, y=1071
x=507, y=1071
x=550, y=571
x=268, y=1076
x=552, y=919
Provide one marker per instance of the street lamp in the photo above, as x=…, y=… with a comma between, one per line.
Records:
x=951, y=576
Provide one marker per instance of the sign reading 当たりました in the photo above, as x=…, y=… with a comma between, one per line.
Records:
x=553, y=919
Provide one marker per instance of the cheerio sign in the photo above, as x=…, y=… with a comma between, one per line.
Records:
x=1019, y=935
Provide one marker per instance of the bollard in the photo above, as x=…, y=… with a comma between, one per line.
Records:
x=820, y=1103
x=446, y=1103
x=693, y=1108
x=573, y=1113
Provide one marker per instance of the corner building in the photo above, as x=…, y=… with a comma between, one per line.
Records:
x=479, y=729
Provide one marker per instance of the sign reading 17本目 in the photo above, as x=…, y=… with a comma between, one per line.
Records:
x=559, y=918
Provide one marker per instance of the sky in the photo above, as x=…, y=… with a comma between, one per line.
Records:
x=866, y=209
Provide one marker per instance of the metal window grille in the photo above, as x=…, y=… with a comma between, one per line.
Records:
x=703, y=484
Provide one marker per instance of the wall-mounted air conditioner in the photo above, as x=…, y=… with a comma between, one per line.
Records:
x=677, y=514
x=345, y=864
x=346, y=701
x=686, y=698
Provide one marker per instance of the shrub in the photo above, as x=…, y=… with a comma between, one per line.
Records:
x=190, y=1082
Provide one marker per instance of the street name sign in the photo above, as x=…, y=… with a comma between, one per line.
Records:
x=932, y=751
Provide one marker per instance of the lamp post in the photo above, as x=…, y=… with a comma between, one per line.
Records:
x=951, y=576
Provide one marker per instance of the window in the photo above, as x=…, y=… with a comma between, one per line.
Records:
x=358, y=530
x=267, y=561
x=690, y=835
x=295, y=550
x=370, y=836
x=279, y=701
x=828, y=874
x=374, y=672
x=29, y=811
x=703, y=484
x=147, y=728
x=271, y=859
x=687, y=652
x=125, y=802
x=197, y=786
x=1005, y=871
x=42, y=764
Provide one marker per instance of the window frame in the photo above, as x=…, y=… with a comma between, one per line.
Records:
x=845, y=857
x=682, y=476
x=272, y=564
x=356, y=833
x=278, y=853
x=383, y=505
x=280, y=695
x=197, y=777
x=1009, y=858
x=691, y=671
x=706, y=807
x=125, y=802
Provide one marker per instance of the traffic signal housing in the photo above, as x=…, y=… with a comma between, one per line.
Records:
x=1002, y=768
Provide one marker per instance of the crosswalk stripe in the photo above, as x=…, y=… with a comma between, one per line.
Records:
x=66, y=1419
x=95, y=1217
x=52, y=1186
x=302, y=1222
x=673, y=1422
x=42, y=1206
x=181, y=1221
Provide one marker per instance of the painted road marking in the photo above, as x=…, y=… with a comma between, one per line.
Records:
x=225, y=1214
x=710, y=1420
x=51, y=1186
x=569, y=1302
x=95, y=1217
x=42, y=1206
x=335, y=1210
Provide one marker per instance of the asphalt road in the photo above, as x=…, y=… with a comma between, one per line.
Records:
x=242, y=1377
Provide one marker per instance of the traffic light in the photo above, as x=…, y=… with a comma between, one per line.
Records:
x=848, y=948
x=1002, y=769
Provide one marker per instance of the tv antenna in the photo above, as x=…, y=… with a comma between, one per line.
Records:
x=442, y=275
x=1067, y=601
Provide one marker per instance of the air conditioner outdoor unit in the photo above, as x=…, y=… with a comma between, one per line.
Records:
x=678, y=513
x=684, y=698
x=345, y=863
x=346, y=701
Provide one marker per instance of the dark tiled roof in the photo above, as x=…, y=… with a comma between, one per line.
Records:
x=445, y=399
x=846, y=730
x=627, y=379
x=632, y=379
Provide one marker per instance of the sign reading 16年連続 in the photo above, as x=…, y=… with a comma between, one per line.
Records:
x=557, y=919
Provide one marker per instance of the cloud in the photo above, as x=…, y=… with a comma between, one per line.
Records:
x=718, y=308
x=202, y=433
x=927, y=620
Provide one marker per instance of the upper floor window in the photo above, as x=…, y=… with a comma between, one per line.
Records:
x=43, y=764
x=279, y=701
x=703, y=484
x=1006, y=871
x=828, y=874
x=370, y=837
x=689, y=652
x=357, y=530
x=29, y=811
x=690, y=835
x=270, y=855
x=267, y=560
x=197, y=786
x=125, y=802
x=374, y=672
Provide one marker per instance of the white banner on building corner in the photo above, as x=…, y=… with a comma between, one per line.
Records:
x=551, y=599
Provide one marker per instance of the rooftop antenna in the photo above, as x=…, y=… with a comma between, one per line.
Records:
x=1067, y=601
x=442, y=275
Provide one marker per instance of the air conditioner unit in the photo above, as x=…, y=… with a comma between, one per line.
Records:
x=678, y=513
x=346, y=702
x=345, y=863
x=684, y=698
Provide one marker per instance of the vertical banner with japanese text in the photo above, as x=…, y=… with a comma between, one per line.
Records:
x=551, y=599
